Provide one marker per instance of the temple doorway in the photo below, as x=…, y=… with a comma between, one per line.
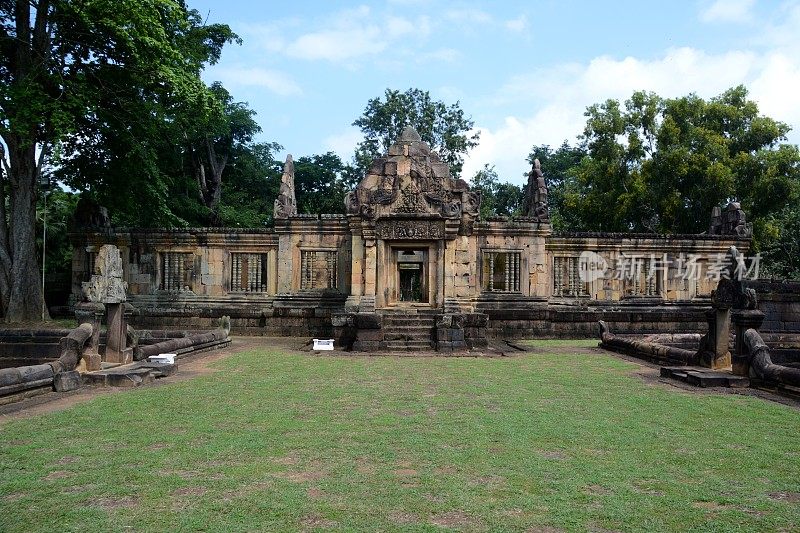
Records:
x=412, y=276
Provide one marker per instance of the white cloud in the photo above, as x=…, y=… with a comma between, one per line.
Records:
x=343, y=143
x=468, y=16
x=345, y=36
x=557, y=97
x=776, y=88
x=518, y=24
x=273, y=80
x=782, y=32
x=736, y=11
x=337, y=45
x=446, y=55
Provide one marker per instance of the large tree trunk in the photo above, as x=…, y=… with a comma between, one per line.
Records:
x=5, y=249
x=26, y=301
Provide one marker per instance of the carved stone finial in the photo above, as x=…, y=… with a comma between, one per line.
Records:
x=409, y=135
x=536, y=194
x=730, y=221
x=286, y=203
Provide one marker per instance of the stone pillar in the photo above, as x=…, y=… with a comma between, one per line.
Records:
x=438, y=297
x=107, y=287
x=116, y=349
x=744, y=319
x=356, y=273
x=381, y=274
x=357, y=268
x=285, y=263
x=714, y=352
x=272, y=272
x=367, y=302
x=722, y=329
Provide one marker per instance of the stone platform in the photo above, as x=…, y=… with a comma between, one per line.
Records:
x=130, y=375
x=704, y=377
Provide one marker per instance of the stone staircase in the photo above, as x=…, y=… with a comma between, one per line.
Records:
x=409, y=329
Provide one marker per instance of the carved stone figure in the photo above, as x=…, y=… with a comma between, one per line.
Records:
x=90, y=215
x=411, y=180
x=731, y=221
x=286, y=203
x=536, y=194
x=107, y=284
x=730, y=295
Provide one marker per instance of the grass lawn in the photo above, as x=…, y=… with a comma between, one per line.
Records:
x=567, y=440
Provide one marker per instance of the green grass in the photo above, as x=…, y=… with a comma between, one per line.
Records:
x=279, y=442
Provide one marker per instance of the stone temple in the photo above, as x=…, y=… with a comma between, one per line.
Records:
x=411, y=265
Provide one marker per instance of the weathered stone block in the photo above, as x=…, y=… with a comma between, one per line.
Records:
x=368, y=346
x=368, y=321
x=67, y=381
x=369, y=335
x=90, y=362
x=340, y=320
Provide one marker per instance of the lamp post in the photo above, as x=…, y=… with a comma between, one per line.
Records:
x=44, y=183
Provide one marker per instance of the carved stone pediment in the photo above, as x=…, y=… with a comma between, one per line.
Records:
x=411, y=180
x=409, y=229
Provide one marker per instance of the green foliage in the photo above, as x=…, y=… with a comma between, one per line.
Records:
x=321, y=182
x=661, y=165
x=497, y=198
x=58, y=206
x=250, y=186
x=781, y=249
x=211, y=143
x=444, y=127
x=558, y=168
x=144, y=110
x=275, y=440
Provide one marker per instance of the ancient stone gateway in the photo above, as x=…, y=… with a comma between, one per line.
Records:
x=411, y=265
x=408, y=220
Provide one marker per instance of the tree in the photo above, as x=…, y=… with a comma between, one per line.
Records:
x=781, y=253
x=251, y=184
x=66, y=68
x=661, y=165
x=444, y=127
x=497, y=198
x=558, y=168
x=214, y=141
x=321, y=181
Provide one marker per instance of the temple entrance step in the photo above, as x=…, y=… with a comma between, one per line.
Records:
x=408, y=323
x=409, y=328
x=400, y=345
x=704, y=377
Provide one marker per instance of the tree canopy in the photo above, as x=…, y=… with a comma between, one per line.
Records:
x=661, y=165
x=497, y=198
x=321, y=181
x=445, y=127
x=77, y=78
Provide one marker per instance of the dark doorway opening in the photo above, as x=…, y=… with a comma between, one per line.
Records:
x=411, y=282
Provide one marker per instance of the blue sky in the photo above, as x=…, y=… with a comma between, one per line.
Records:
x=524, y=71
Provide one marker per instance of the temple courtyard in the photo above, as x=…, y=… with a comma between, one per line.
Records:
x=268, y=436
